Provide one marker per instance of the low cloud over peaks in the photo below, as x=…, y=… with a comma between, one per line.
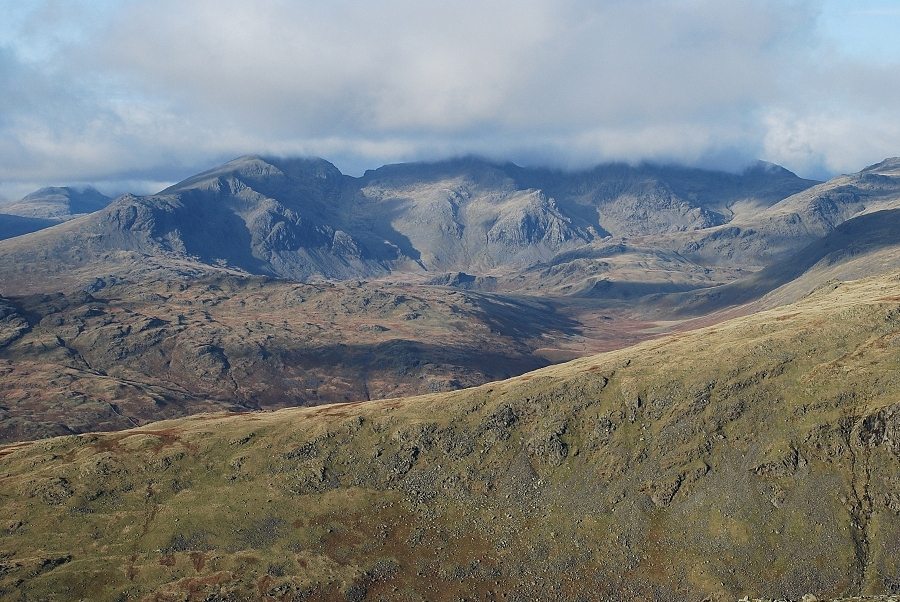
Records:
x=152, y=90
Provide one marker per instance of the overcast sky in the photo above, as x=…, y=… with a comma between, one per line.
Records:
x=134, y=94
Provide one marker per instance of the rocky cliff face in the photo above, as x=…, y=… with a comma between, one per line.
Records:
x=469, y=220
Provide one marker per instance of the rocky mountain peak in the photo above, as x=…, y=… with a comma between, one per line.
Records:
x=257, y=168
x=766, y=168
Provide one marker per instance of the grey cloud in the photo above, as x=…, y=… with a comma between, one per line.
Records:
x=161, y=88
x=408, y=68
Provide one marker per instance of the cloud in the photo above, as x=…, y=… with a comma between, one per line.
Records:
x=533, y=70
x=144, y=90
x=826, y=143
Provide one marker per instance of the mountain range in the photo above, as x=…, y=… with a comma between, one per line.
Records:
x=301, y=218
x=496, y=226
x=149, y=305
x=627, y=382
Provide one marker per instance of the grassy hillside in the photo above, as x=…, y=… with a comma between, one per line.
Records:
x=758, y=457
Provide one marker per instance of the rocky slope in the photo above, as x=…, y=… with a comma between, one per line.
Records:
x=759, y=458
x=646, y=199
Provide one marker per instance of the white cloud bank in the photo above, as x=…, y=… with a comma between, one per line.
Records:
x=154, y=89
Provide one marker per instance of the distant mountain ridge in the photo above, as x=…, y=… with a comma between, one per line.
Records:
x=614, y=231
x=865, y=244
x=47, y=207
x=762, y=237
x=58, y=202
x=303, y=218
